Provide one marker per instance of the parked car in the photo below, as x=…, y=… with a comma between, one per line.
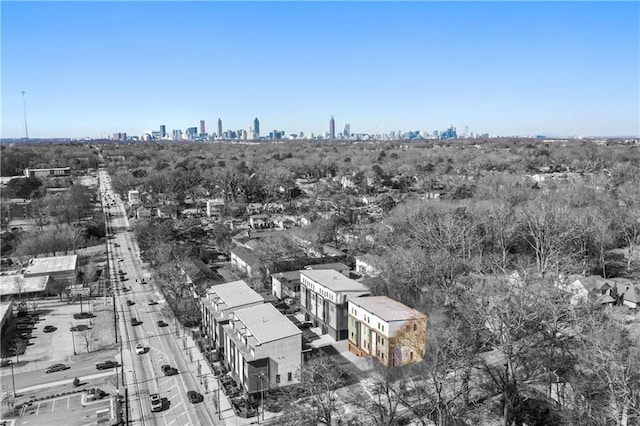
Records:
x=140, y=349
x=162, y=324
x=152, y=302
x=169, y=371
x=304, y=325
x=194, y=397
x=80, y=327
x=106, y=365
x=130, y=302
x=156, y=402
x=83, y=315
x=56, y=367
x=49, y=328
x=135, y=321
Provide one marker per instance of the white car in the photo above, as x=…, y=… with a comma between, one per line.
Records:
x=140, y=349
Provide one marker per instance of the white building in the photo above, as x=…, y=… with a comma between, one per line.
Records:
x=219, y=303
x=134, y=197
x=264, y=348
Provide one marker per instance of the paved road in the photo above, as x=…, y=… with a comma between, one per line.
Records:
x=165, y=346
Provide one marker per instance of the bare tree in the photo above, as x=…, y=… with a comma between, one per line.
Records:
x=86, y=338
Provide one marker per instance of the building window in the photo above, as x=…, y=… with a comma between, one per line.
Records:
x=289, y=376
x=277, y=378
x=415, y=327
x=411, y=355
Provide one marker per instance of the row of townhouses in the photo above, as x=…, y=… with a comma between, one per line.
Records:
x=263, y=349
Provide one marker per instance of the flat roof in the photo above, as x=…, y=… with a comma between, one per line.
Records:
x=10, y=284
x=386, y=308
x=46, y=265
x=289, y=275
x=334, y=280
x=235, y=293
x=338, y=266
x=266, y=323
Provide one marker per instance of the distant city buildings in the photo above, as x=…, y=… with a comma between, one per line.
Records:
x=253, y=133
x=332, y=128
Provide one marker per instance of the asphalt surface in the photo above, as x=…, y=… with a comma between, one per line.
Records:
x=165, y=344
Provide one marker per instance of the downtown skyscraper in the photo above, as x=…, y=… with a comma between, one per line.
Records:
x=332, y=128
x=256, y=127
x=219, y=128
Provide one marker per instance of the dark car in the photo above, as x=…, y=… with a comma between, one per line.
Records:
x=49, y=329
x=195, y=397
x=304, y=325
x=106, y=365
x=152, y=302
x=135, y=321
x=130, y=302
x=80, y=327
x=83, y=315
x=56, y=367
x=162, y=324
x=171, y=371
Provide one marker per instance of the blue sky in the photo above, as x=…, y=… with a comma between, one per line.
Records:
x=507, y=68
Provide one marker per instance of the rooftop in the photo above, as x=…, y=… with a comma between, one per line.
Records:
x=47, y=265
x=234, y=294
x=387, y=308
x=4, y=309
x=246, y=255
x=334, y=280
x=17, y=283
x=336, y=266
x=288, y=276
x=265, y=323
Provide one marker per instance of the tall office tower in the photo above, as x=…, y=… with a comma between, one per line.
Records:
x=332, y=128
x=177, y=134
x=202, y=128
x=219, y=128
x=256, y=126
x=163, y=131
x=347, y=130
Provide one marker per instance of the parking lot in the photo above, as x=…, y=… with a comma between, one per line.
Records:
x=69, y=410
x=45, y=349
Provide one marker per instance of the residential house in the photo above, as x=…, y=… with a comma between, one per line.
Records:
x=167, y=211
x=134, y=197
x=263, y=348
x=622, y=290
x=324, y=299
x=214, y=209
x=367, y=265
x=143, y=213
x=217, y=305
x=246, y=261
x=254, y=208
x=386, y=329
x=285, y=284
x=259, y=221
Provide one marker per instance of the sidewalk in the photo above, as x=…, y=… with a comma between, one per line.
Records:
x=62, y=382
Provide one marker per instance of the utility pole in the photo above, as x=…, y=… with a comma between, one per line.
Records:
x=13, y=380
x=24, y=110
x=115, y=316
x=73, y=339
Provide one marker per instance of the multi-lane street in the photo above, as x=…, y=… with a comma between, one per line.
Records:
x=163, y=345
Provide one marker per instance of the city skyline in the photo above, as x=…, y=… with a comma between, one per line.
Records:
x=504, y=68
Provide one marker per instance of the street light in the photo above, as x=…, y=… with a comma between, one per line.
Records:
x=73, y=339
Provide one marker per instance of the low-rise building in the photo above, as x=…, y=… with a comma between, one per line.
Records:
x=13, y=286
x=219, y=302
x=134, y=197
x=335, y=266
x=285, y=284
x=324, y=300
x=51, y=172
x=263, y=348
x=61, y=269
x=386, y=329
x=245, y=261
